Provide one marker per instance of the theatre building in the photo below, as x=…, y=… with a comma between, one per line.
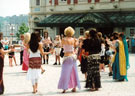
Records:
x=105, y=15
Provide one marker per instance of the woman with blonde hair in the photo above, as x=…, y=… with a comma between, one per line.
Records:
x=69, y=75
x=25, y=52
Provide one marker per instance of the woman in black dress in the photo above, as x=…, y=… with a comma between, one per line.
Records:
x=93, y=73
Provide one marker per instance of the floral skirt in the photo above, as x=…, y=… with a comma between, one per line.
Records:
x=93, y=73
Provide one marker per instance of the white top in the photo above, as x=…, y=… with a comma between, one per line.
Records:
x=21, y=44
x=36, y=54
x=102, y=53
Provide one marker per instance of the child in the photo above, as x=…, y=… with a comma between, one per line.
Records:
x=57, y=44
x=12, y=55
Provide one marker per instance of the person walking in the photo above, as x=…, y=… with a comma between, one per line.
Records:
x=35, y=61
x=69, y=75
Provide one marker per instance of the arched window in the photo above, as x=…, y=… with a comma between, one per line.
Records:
x=37, y=2
x=36, y=19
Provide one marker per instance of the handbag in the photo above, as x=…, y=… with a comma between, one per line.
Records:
x=62, y=52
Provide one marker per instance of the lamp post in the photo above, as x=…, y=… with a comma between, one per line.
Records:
x=12, y=28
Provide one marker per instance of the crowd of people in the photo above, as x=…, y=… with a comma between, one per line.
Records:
x=93, y=50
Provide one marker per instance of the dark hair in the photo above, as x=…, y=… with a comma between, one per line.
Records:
x=45, y=32
x=93, y=34
x=1, y=34
x=115, y=35
x=121, y=35
x=34, y=42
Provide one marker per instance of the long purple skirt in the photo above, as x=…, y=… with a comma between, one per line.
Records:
x=69, y=75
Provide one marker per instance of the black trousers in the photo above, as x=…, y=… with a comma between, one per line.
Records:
x=21, y=57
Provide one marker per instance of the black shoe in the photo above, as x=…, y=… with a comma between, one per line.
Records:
x=110, y=74
x=47, y=61
x=55, y=64
x=44, y=61
x=121, y=80
x=59, y=64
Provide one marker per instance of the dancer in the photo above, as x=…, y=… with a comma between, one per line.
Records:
x=69, y=75
x=93, y=74
x=2, y=52
x=121, y=61
x=35, y=61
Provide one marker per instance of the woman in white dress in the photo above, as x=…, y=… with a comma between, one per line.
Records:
x=35, y=61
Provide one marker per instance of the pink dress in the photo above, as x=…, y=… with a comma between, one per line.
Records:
x=25, y=60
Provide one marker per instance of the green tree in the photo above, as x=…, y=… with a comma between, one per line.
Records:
x=22, y=29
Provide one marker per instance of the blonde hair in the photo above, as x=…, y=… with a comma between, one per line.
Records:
x=26, y=38
x=99, y=34
x=69, y=31
x=86, y=33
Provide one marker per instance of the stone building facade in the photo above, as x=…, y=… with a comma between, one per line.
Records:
x=42, y=11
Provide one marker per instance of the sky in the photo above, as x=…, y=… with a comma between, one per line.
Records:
x=13, y=7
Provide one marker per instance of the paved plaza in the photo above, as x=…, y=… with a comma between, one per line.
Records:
x=16, y=84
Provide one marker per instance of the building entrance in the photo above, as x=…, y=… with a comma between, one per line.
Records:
x=105, y=31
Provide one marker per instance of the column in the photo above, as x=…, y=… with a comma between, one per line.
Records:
x=72, y=1
x=52, y=2
x=92, y=1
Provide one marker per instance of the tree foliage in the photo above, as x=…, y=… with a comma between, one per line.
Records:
x=22, y=29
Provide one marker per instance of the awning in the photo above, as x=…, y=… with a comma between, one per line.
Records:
x=60, y=20
x=93, y=19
